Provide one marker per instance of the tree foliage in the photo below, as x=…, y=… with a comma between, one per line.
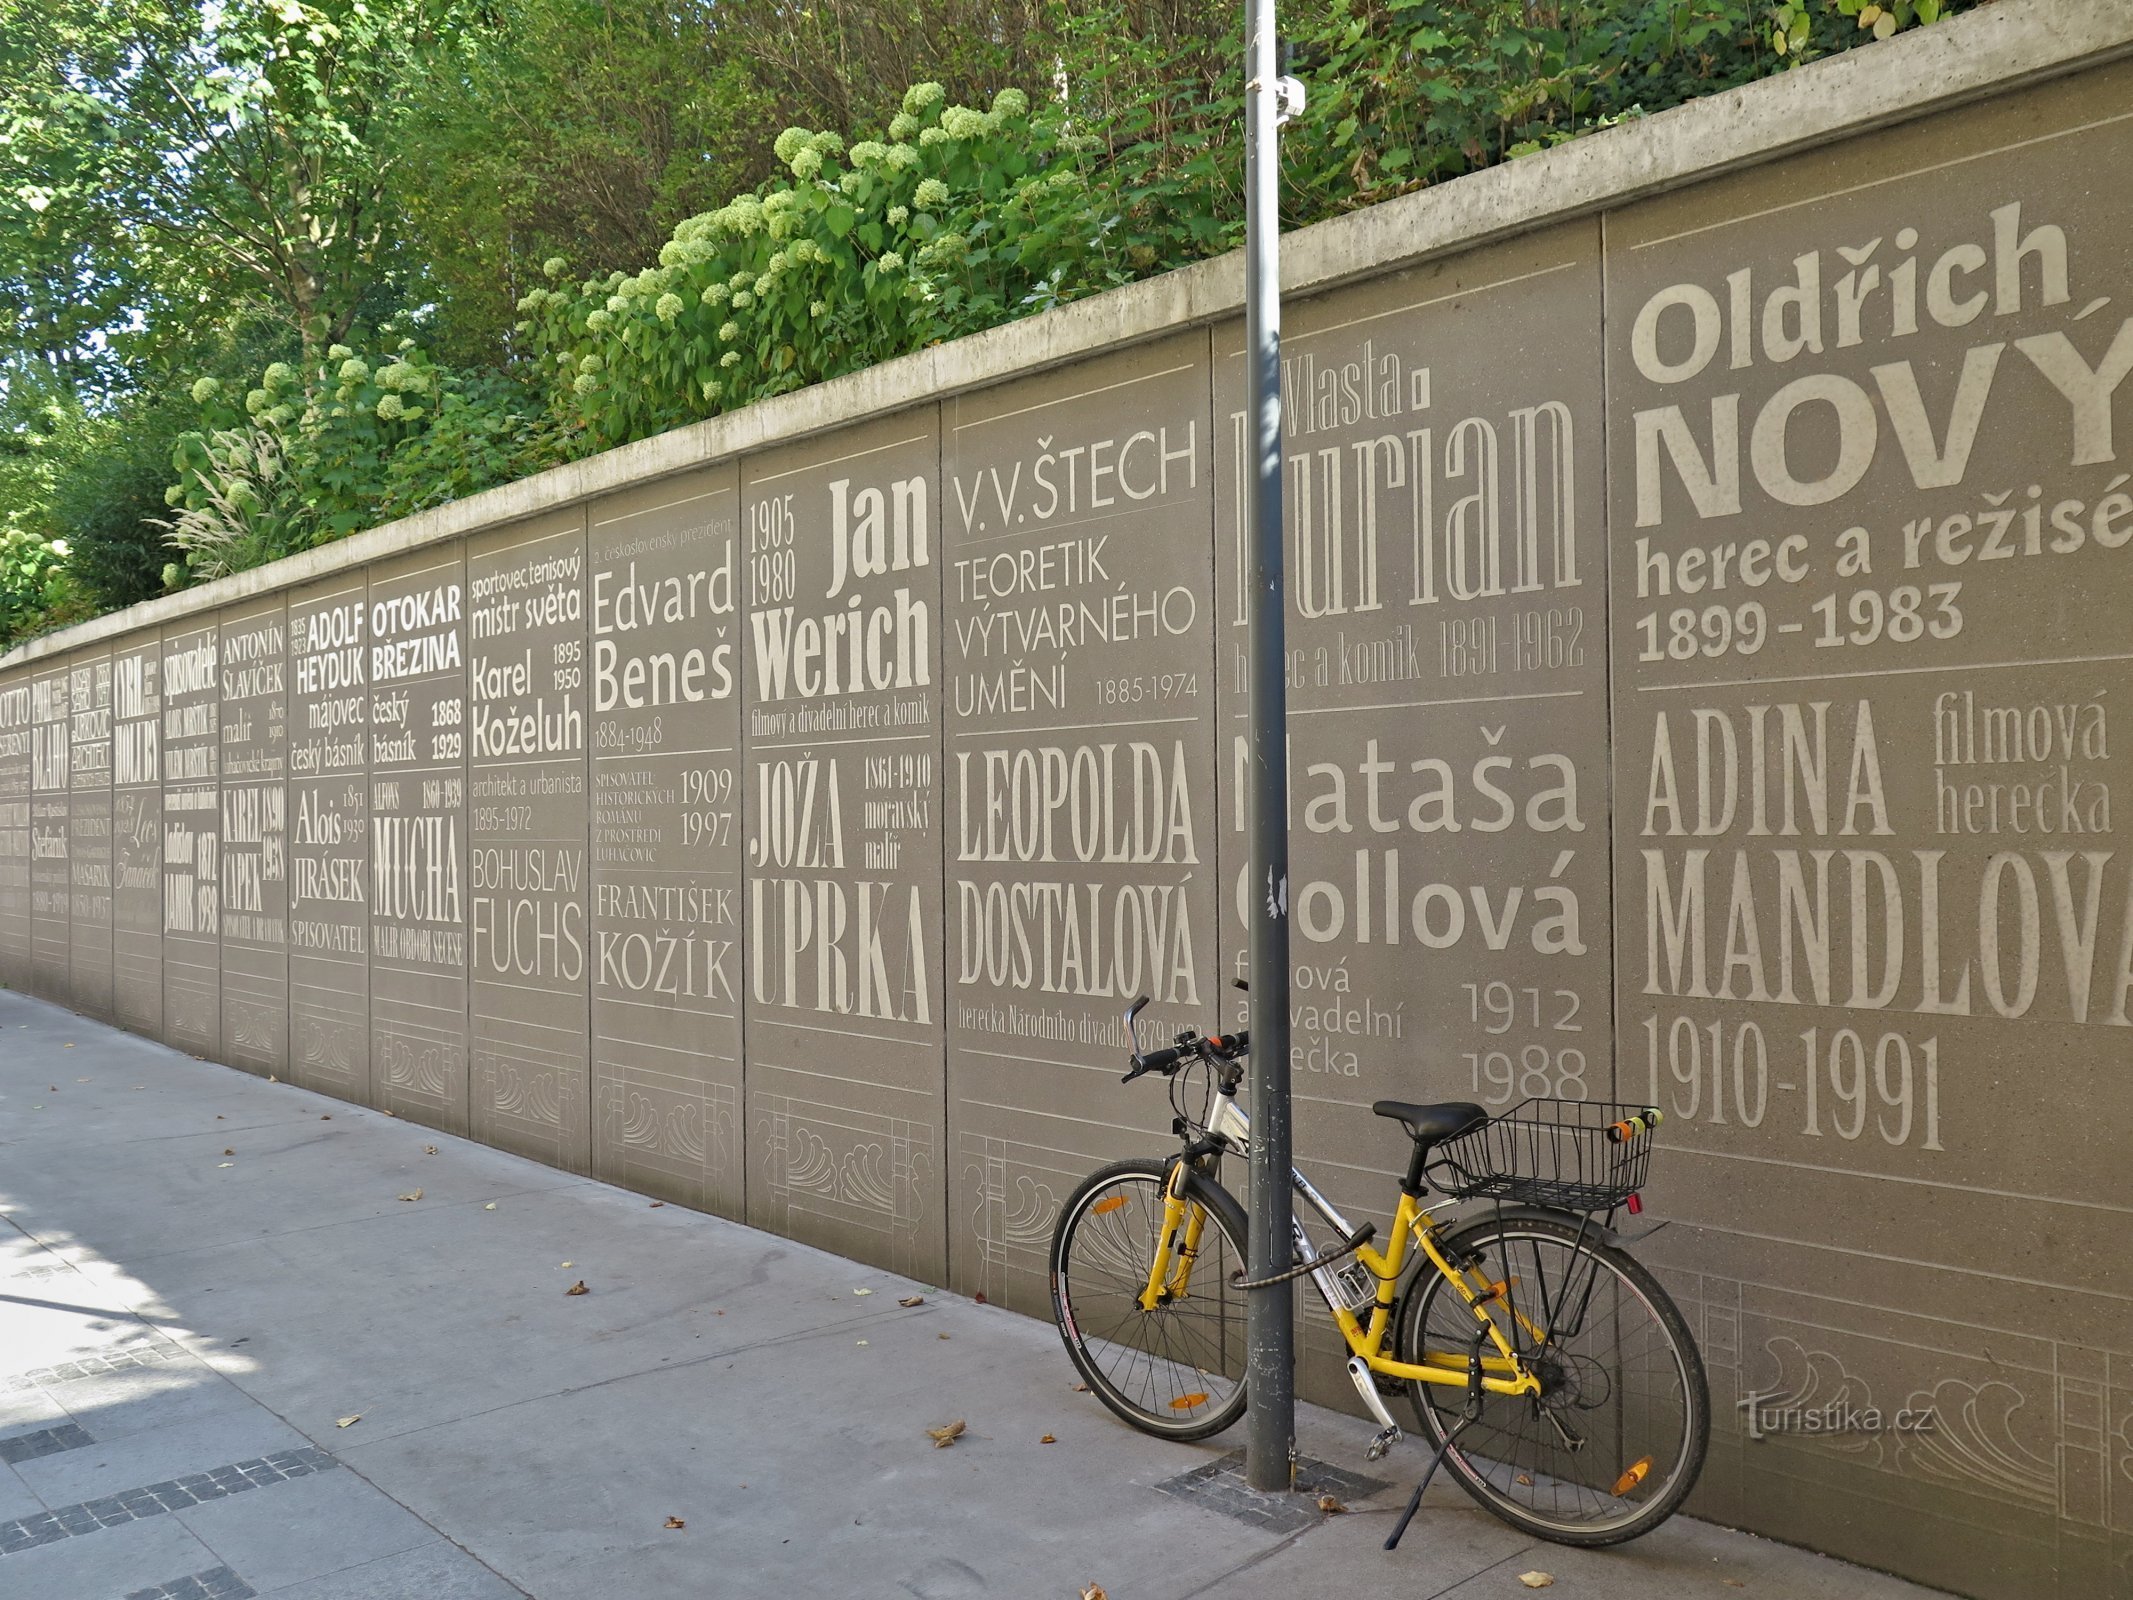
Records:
x=275, y=270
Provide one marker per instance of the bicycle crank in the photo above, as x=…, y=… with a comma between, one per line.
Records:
x=1366, y=1385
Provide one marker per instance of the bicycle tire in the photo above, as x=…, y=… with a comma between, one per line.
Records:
x=1507, y=1461
x=1092, y=1304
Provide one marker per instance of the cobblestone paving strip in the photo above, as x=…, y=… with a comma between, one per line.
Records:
x=146, y=1355
x=44, y=1442
x=174, y=1494
x=217, y=1583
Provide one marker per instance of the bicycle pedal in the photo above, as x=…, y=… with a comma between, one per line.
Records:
x=1384, y=1440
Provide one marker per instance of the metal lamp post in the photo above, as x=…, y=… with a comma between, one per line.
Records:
x=1270, y=1422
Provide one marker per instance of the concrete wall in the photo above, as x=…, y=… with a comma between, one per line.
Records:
x=1710, y=578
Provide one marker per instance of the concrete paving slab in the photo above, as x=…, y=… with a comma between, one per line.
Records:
x=108, y=1563
x=118, y=1405
x=291, y=1532
x=518, y=1441
x=16, y=1497
x=437, y=1570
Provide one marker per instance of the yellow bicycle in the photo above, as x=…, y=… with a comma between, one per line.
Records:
x=1545, y=1365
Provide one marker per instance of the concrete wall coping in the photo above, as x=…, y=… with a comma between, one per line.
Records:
x=2002, y=47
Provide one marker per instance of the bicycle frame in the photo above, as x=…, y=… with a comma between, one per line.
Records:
x=1170, y=1275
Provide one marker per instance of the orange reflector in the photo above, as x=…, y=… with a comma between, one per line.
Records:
x=1185, y=1402
x=1636, y=1475
x=1112, y=1204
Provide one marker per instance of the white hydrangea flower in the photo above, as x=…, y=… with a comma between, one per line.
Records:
x=391, y=408
x=618, y=303
x=728, y=331
x=205, y=389
x=922, y=97
x=902, y=157
x=338, y=352
x=899, y=215
x=818, y=308
x=902, y=126
x=668, y=307
x=742, y=299
x=709, y=387
x=670, y=254
x=732, y=358
x=584, y=383
x=960, y=122
x=791, y=140
x=891, y=261
x=718, y=294
x=930, y=195
x=279, y=375
x=599, y=322
x=617, y=278
x=867, y=152
x=1010, y=103
x=257, y=401
x=522, y=327
x=742, y=279
x=554, y=267
x=929, y=137
x=354, y=370
x=591, y=363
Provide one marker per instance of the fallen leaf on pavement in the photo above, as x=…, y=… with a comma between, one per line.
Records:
x=946, y=1434
x=676, y=1522
x=578, y=1288
x=1094, y=1591
x=940, y=1336
x=980, y=1298
x=1331, y=1506
x=227, y=1151
x=324, y=1116
x=862, y=1291
x=348, y=1421
x=656, y=1204
x=1047, y=1439
x=1081, y=1388
x=1524, y=1481
x=912, y=1300
x=568, y=1263
x=429, y=1149
x=412, y=1194
x=1536, y=1580
x=491, y=1206
x=386, y=1113
x=219, y=1164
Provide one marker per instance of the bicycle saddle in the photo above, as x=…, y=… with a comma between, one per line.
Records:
x=1427, y=1124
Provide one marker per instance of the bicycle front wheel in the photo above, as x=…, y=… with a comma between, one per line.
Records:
x=1175, y=1370
x=1614, y=1441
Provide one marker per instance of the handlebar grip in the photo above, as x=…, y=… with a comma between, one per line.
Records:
x=1155, y=1061
x=1629, y=1127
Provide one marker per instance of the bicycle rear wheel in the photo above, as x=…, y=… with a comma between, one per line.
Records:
x=1615, y=1440
x=1176, y=1371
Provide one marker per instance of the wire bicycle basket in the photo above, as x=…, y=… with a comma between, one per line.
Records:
x=1572, y=1155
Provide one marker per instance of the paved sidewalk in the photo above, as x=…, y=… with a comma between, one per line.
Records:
x=202, y=1273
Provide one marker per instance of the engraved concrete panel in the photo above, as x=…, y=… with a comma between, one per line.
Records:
x=329, y=838
x=664, y=672
x=418, y=838
x=137, y=834
x=89, y=984
x=842, y=821
x=1079, y=780
x=1443, y=477
x=531, y=1081
x=1870, y=524
x=192, y=841
x=51, y=881
x=17, y=734
x=255, y=837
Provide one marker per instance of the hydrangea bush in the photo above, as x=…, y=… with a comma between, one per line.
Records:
x=955, y=220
